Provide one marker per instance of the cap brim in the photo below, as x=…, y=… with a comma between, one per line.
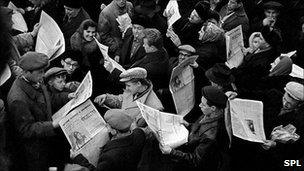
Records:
x=124, y=79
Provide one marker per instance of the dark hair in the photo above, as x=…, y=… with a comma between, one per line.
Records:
x=89, y=23
x=154, y=38
x=143, y=81
x=215, y=15
x=75, y=55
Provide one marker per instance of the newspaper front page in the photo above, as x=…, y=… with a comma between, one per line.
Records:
x=83, y=92
x=247, y=119
x=182, y=86
x=85, y=130
x=234, y=45
x=167, y=127
x=50, y=40
x=172, y=12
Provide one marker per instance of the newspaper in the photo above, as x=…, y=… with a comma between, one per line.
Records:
x=167, y=127
x=83, y=92
x=289, y=54
x=5, y=75
x=17, y=18
x=297, y=71
x=104, y=50
x=85, y=130
x=234, y=45
x=50, y=40
x=172, y=12
x=247, y=119
x=181, y=86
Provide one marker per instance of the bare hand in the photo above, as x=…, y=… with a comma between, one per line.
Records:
x=72, y=95
x=35, y=30
x=267, y=144
x=174, y=37
x=55, y=124
x=108, y=66
x=165, y=149
x=116, y=58
x=100, y=99
x=231, y=95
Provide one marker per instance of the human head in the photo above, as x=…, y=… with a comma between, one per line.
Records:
x=234, y=4
x=117, y=121
x=184, y=52
x=152, y=40
x=55, y=77
x=72, y=7
x=33, y=65
x=214, y=18
x=134, y=79
x=71, y=60
x=138, y=26
x=255, y=40
x=88, y=29
x=282, y=65
x=294, y=95
x=213, y=100
x=210, y=33
x=120, y=3
x=219, y=75
x=272, y=9
x=200, y=13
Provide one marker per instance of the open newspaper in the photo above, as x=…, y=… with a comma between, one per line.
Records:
x=85, y=130
x=167, y=127
x=182, y=86
x=5, y=75
x=234, y=45
x=17, y=18
x=247, y=119
x=104, y=50
x=172, y=12
x=83, y=92
x=297, y=71
x=50, y=40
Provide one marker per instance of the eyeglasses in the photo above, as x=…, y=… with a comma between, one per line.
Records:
x=75, y=65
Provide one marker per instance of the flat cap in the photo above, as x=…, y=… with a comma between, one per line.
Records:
x=295, y=90
x=33, y=61
x=132, y=73
x=215, y=96
x=54, y=72
x=273, y=5
x=187, y=48
x=118, y=119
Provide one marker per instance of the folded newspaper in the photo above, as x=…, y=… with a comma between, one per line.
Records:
x=167, y=127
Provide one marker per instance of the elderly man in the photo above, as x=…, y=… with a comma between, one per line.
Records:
x=123, y=151
x=30, y=110
x=74, y=16
x=202, y=152
x=107, y=24
x=138, y=88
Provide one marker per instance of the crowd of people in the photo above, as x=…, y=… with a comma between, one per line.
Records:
x=148, y=49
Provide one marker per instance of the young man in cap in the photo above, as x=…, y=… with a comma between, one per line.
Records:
x=206, y=137
x=138, y=88
x=31, y=114
x=74, y=16
x=107, y=24
x=71, y=62
x=124, y=150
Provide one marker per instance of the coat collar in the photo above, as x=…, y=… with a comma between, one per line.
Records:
x=27, y=88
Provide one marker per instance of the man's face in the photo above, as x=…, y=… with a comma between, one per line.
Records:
x=183, y=55
x=138, y=31
x=58, y=82
x=89, y=33
x=271, y=13
x=194, y=17
x=35, y=76
x=69, y=65
x=132, y=87
x=71, y=12
x=205, y=108
x=121, y=3
x=232, y=5
x=288, y=102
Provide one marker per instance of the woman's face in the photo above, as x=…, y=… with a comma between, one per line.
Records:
x=89, y=33
x=256, y=42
